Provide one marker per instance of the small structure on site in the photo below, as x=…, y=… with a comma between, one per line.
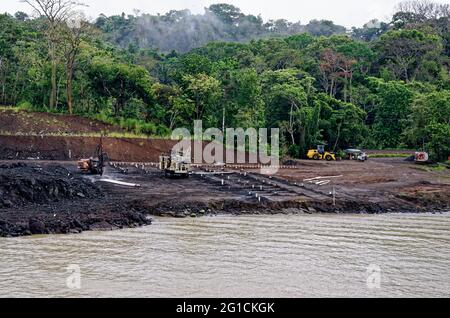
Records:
x=356, y=154
x=175, y=165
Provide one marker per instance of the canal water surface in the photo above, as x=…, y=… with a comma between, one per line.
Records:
x=249, y=256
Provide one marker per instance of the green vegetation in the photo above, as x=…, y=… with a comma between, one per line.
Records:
x=389, y=155
x=385, y=85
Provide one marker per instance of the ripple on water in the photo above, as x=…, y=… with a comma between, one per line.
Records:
x=248, y=256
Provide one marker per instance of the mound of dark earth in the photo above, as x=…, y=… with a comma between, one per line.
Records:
x=22, y=184
x=49, y=199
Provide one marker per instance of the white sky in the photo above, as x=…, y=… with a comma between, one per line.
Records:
x=344, y=12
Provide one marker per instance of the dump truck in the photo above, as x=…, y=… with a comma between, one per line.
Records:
x=175, y=165
x=95, y=164
x=321, y=154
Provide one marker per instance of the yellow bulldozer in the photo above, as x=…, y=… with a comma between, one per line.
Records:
x=321, y=154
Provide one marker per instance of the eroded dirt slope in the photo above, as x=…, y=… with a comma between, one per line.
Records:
x=23, y=122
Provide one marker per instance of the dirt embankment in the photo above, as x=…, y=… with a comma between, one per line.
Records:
x=19, y=122
x=73, y=148
x=44, y=136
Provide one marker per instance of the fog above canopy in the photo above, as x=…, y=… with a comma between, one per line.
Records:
x=344, y=12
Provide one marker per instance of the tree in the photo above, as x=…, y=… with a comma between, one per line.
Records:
x=295, y=99
x=72, y=34
x=120, y=82
x=333, y=68
x=10, y=32
x=287, y=107
x=347, y=125
x=227, y=13
x=21, y=16
x=438, y=136
x=246, y=93
x=430, y=124
x=425, y=16
x=405, y=52
x=204, y=91
x=329, y=66
x=391, y=113
x=422, y=10
x=56, y=13
x=370, y=31
x=318, y=87
x=183, y=31
x=324, y=28
x=176, y=107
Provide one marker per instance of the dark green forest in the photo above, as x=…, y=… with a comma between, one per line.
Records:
x=381, y=86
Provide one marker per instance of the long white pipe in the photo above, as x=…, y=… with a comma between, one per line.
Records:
x=121, y=183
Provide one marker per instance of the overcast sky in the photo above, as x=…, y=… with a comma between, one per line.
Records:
x=344, y=12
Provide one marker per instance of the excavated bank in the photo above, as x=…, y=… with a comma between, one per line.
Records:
x=53, y=197
x=50, y=199
x=22, y=184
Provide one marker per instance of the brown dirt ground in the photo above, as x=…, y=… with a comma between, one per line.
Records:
x=377, y=179
x=23, y=122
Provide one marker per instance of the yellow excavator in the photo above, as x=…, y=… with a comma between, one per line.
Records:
x=321, y=154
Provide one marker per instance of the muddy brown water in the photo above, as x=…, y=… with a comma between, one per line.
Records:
x=250, y=256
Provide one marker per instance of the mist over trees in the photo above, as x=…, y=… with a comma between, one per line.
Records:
x=182, y=31
x=384, y=85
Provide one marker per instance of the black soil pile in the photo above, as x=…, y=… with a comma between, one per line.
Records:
x=22, y=184
x=49, y=199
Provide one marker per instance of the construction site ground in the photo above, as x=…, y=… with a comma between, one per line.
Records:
x=42, y=192
x=41, y=197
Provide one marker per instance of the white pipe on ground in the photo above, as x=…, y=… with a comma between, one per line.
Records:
x=121, y=183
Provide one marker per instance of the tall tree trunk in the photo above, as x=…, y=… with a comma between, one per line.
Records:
x=3, y=91
x=345, y=89
x=58, y=87
x=337, y=137
x=69, y=88
x=350, y=88
x=331, y=87
x=53, y=77
x=3, y=80
x=223, y=119
x=69, y=92
x=302, y=141
x=14, y=90
x=291, y=123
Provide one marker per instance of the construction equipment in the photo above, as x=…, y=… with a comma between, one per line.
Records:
x=421, y=157
x=175, y=165
x=321, y=154
x=96, y=163
x=356, y=154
